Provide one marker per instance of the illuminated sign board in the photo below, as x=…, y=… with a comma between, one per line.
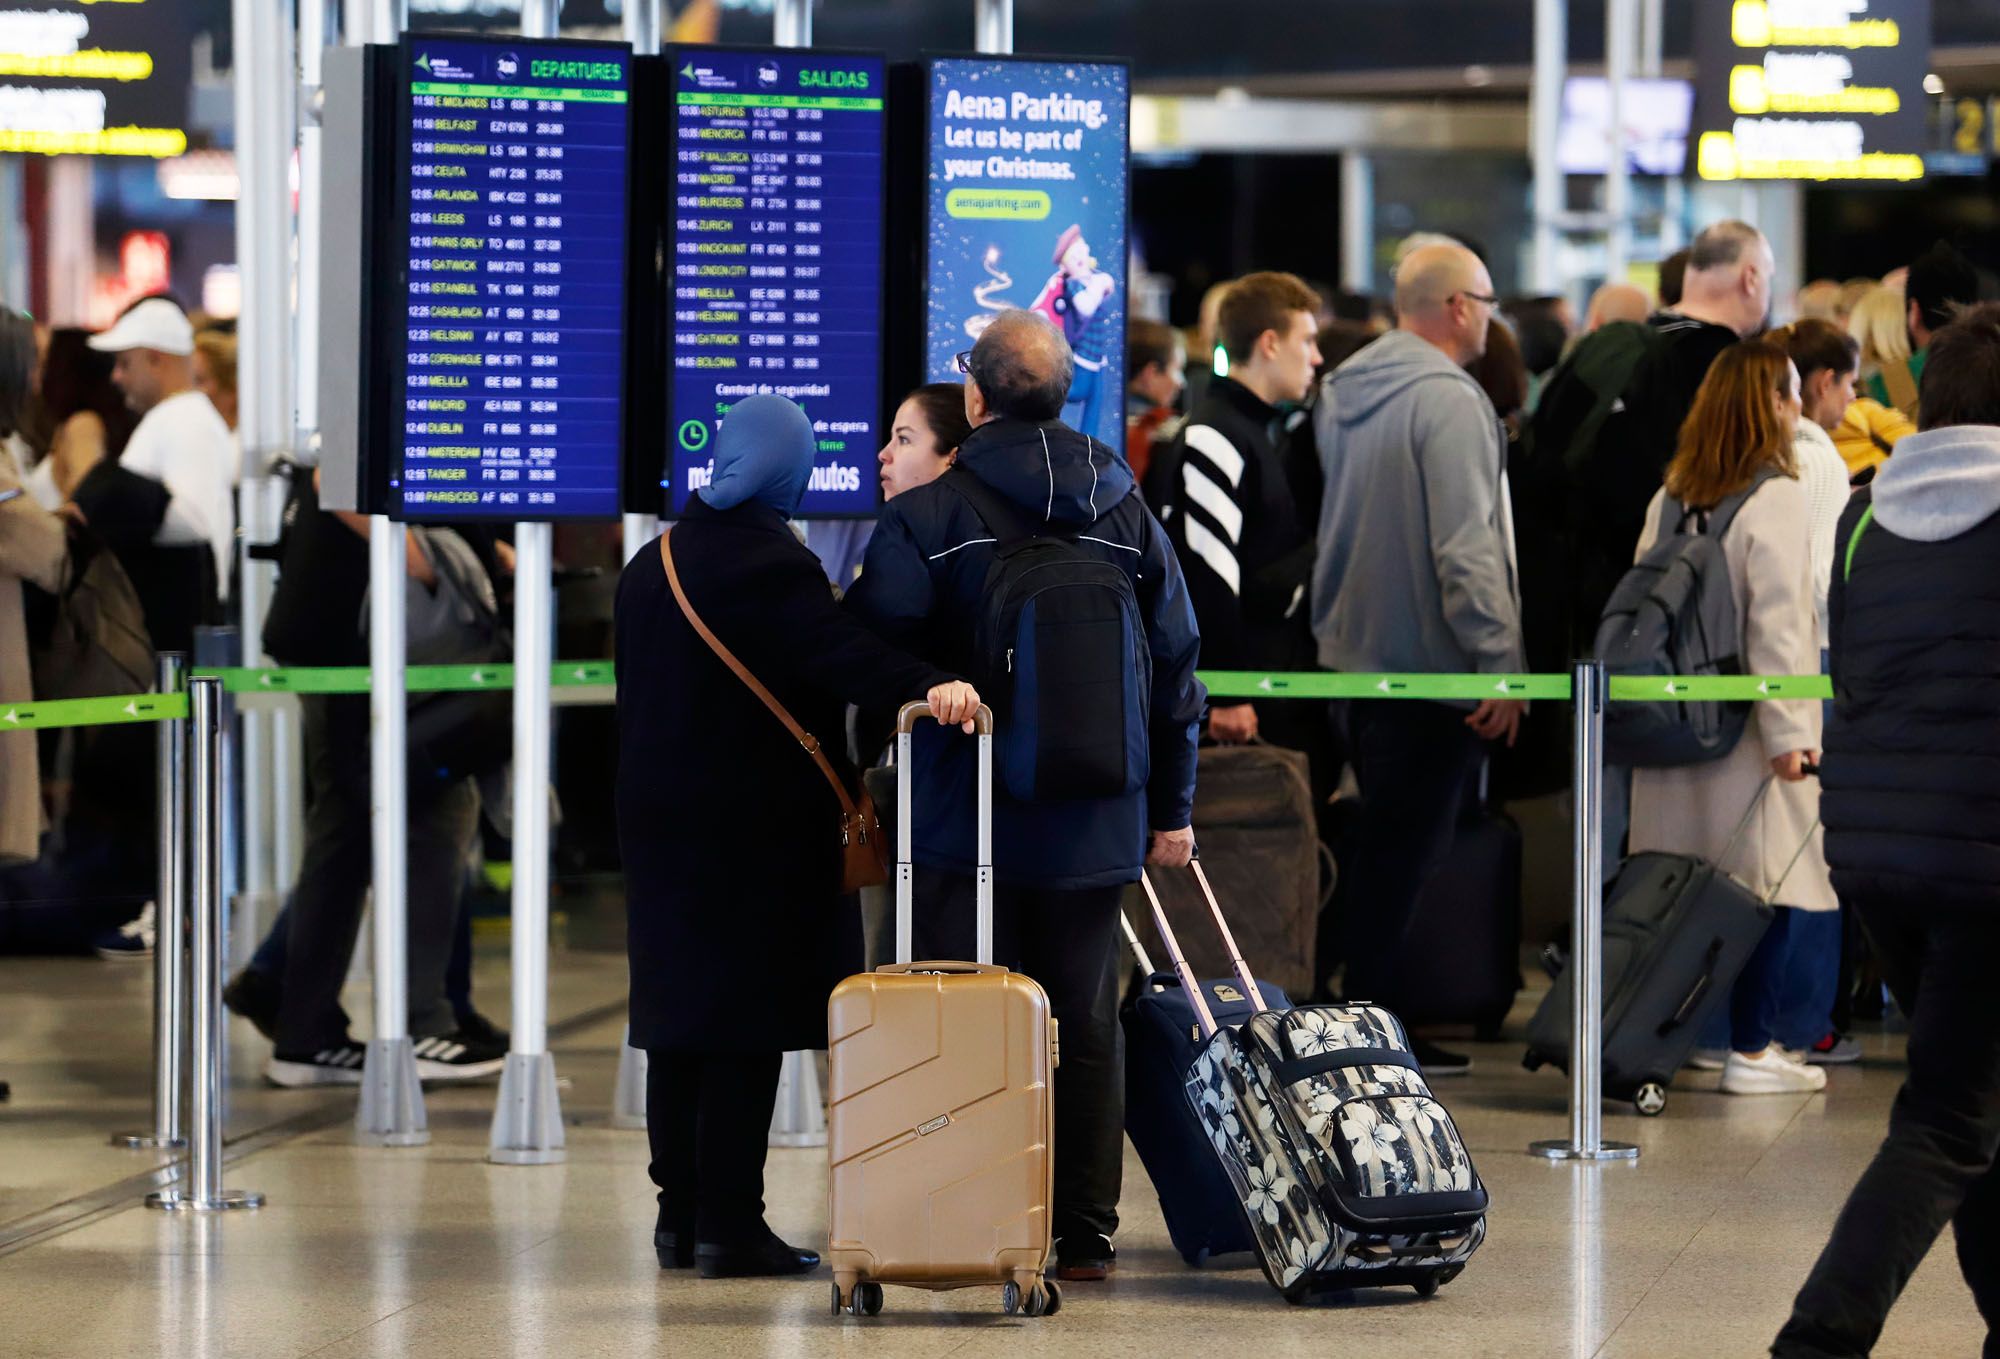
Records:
x=509, y=403
x=775, y=259
x=1026, y=186
x=1821, y=90
x=90, y=79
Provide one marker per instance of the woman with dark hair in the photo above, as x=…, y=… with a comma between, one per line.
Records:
x=32, y=548
x=1753, y=813
x=1503, y=375
x=923, y=438
x=88, y=415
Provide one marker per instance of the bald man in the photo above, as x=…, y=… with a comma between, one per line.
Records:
x=1415, y=574
x=1062, y=857
x=1616, y=302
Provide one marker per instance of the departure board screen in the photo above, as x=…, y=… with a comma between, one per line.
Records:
x=776, y=272
x=512, y=375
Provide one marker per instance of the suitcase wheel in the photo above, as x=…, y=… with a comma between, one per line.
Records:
x=1041, y=1300
x=1650, y=1099
x=864, y=1301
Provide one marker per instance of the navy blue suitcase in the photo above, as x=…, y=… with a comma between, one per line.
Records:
x=1162, y=1040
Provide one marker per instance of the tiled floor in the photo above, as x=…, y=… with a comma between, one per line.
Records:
x=1695, y=1250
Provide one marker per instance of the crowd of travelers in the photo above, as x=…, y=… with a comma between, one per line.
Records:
x=1445, y=482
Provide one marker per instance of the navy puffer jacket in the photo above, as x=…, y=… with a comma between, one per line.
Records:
x=1912, y=771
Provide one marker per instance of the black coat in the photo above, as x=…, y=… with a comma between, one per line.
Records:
x=1911, y=777
x=736, y=928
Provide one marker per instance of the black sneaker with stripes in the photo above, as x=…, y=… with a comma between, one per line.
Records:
x=459, y=1056
x=337, y=1065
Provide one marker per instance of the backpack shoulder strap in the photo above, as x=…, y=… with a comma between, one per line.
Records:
x=1002, y=519
x=1854, y=539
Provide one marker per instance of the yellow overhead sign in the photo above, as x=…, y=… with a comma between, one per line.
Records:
x=94, y=77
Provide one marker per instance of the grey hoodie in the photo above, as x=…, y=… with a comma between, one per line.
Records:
x=1416, y=566
x=1940, y=483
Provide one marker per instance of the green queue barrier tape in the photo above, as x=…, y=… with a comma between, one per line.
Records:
x=1253, y=684
x=1718, y=688
x=92, y=712
x=431, y=679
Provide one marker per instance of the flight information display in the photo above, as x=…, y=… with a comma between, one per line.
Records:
x=512, y=383
x=775, y=273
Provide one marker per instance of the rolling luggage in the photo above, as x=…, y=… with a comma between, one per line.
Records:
x=1677, y=933
x=1259, y=836
x=1348, y=1172
x=1462, y=961
x=939, y=1125
x=1162, y=1039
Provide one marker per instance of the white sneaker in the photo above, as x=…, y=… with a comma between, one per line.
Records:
x=1771, y=1073
x=1709, y=1059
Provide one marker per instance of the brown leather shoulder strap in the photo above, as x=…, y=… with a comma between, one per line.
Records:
x=806, y=739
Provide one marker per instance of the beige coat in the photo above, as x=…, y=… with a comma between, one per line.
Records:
x=1696, y=809
x=32, y=547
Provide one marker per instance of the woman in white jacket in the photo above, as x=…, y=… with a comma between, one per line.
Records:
x=1754, y=813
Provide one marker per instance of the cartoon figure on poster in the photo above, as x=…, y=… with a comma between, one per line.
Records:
x=1073, y=302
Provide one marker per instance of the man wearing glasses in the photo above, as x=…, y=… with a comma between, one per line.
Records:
x=1415, y=574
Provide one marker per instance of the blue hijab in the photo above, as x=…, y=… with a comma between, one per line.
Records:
x=763, y=452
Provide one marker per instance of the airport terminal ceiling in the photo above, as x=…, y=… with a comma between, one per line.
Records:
x=1270, y=40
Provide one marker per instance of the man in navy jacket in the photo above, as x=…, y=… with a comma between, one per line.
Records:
x=1060, y=867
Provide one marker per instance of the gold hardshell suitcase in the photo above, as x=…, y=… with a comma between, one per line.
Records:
x=939, y=1126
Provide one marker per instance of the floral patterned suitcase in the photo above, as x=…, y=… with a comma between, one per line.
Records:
x=1350, y=1173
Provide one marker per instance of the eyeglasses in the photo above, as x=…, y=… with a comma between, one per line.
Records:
x=1487, y=298
x=962, y=361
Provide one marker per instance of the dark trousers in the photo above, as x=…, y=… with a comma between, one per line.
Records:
x=333, y=884
x=1068, y=942
x=1938, y=1164
x=1417, y=764
x=269, y=958
x=708, y=1117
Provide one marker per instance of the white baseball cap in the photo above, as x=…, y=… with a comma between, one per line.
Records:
x=155, y=323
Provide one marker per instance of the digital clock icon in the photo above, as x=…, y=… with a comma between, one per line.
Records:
x=694, y=435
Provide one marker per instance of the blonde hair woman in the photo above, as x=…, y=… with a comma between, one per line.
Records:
x=1872, y=428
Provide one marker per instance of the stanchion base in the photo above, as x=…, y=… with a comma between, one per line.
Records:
x=391, y=1112
x=527, y=1121
x=147, y=1142
x=180, y=1201
x=628, y=1104
x=1569, y=1151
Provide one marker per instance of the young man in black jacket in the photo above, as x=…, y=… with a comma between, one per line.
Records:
x=1913, y=838
x=1231, y=510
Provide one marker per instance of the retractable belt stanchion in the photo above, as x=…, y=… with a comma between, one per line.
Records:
x=1589, y=690
x=169, y=924
x=201, y=1190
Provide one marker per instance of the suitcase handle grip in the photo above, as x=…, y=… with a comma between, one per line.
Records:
x=951, y=968
x=910, y=714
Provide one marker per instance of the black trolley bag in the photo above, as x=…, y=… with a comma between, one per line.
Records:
x=1348, y=1172
x=1162, y=1039
x=1678, y=931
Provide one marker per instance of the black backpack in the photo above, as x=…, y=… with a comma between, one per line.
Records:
x=88, y=640
x=1059, y=653
x=1674, y=613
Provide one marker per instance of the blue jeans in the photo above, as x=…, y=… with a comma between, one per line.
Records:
x=1750, y=1021
x=1811, y=979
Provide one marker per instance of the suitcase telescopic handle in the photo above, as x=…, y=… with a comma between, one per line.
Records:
x=1241, y=968
x=1189, y=985
x=906, y=725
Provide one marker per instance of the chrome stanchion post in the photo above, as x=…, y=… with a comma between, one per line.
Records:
x=1586, y=965
x=169, y=922
x=391, y=1110
x=527, y=1119
x=798, y=1120
x=201, y=1190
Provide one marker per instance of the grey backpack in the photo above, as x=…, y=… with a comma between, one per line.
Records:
x=1674, y=613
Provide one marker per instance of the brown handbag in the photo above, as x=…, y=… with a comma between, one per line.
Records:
x=864, y=850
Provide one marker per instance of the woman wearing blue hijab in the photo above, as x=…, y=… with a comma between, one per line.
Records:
x=736, y=927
